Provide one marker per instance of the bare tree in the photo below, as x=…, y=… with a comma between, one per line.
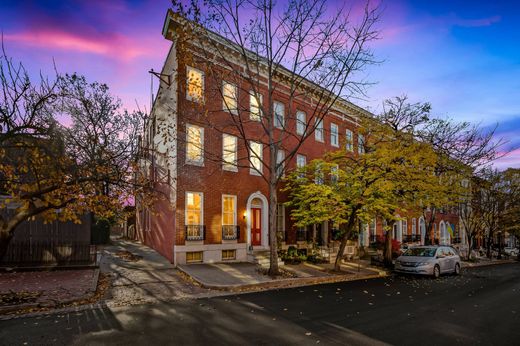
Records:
x=297, y=51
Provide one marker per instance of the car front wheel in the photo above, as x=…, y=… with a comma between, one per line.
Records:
x=436, y=271
x=457, y=269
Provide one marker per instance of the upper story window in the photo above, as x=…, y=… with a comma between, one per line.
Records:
x=229, y=98
x=334, y=174
x=280, y=156
x=255, y=155
x=349, y=141
x=229, y=152
x=334, y=139
x=255, y=106
x=229, y=210
x=318, y=133
x=194, y=208
x=194, y=144
x=301, y=162
x=300, y=122
x=279, y=114
x=361, y=144
x=195, y=84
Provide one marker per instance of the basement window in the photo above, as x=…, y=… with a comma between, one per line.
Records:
x=194, y=257
x=228, y=255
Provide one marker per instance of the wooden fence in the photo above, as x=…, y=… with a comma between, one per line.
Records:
x=37, y=253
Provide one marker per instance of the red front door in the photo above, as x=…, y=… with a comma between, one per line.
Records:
x=256, y=228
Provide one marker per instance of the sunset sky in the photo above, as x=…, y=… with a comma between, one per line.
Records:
x=462, y=56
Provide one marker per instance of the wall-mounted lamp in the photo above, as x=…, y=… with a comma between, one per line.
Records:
x=245, y=214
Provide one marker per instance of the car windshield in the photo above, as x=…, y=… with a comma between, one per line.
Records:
x=421, y=252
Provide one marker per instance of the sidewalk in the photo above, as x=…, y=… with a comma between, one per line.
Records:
x=247, y=277
x=482, y=262
x=140, y=275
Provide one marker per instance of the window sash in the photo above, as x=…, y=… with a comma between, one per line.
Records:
x=300, y=122
x=280, y=218
x=194, y=144
x=255, y=154
x=318, y=132
x=255, y=110
x=194, y=207
x=361, y=144
x=229, y=152
x=280, y=156
x=229, y=210
x=279, y=115
x=194, y=84
x=301, y=161
x=229, y=97
x=334, y=135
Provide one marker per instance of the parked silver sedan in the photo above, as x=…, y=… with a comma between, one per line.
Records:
x=429, y=260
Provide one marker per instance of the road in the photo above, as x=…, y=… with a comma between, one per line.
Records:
x=482, y=306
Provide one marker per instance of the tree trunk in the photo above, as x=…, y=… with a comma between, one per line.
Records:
x=5, y=240
x=273, y=244
x=343, y=244
x=388, y=249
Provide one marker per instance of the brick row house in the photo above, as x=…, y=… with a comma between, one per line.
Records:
x=214, y=203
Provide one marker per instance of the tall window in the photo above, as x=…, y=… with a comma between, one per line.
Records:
x=255, y=155
x=280, y=220
x=229, y=152
x=318, y=132
x=334, y=175
x=301, y=162
x=372, y=230
x=300, y=122
x=193, y=208
x=229, y=98
x=229, y=210
x=349, y=141
x=279, y=115
x=334, y=140
x=404, y=225
x=194, y=84
x=194, y=144
x=414, y=226
x=318, y=179
x=255, y=102
x=280, y=156
x=361, y=143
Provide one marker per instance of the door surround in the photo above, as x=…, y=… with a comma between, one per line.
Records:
x=264, y=220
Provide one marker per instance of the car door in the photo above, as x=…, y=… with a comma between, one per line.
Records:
x=444, y=260
x=452, y=259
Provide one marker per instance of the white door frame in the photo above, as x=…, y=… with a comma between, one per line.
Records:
x=265, y=220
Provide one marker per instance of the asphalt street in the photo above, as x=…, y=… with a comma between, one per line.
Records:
x=481, y=306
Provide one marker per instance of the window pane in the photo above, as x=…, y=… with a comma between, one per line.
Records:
x=279, y=110
x=194, y=143
x=334, y=134
x=300, y=122
x=361, y=144
x=229, y=152
x=349, y=143
x=230, y=102
x=255, y=104
x=256, y=157
x=318, y=133
x=195, y=85
x=193, y=208
x=228, y=210
x=280, y=155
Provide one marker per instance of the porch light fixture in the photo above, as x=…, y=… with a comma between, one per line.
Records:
x=245, y=214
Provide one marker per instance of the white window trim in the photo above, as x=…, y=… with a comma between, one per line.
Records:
x=235, y=211
x=252, y=170
x=186, y=206
x=257, y=117
x=275, y=103
x=188, y=96
x=188, y=160
x=225, y=165
x=225, y=108
x=304, y=159
x=319, y=129
x=332, y=125
x=303, y=124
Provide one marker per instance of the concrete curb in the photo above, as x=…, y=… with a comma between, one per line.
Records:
x=486, y=264
x=283, y=283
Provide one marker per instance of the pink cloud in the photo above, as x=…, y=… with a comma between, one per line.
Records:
x=511, y=159
x=114, y=46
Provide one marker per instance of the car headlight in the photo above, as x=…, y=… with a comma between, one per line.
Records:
x=420, y=264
